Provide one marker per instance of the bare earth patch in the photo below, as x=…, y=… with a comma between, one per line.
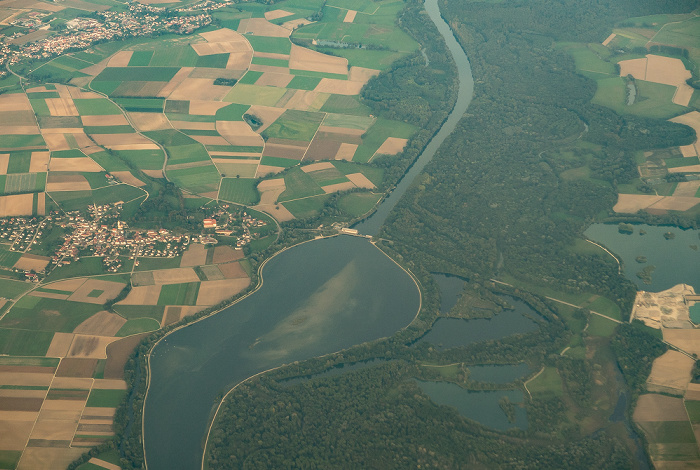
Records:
x=275, y=14
x=280, y=80
x=120, y=59
x=32, y=262
x=61, y=107
x=74, y=164
x=317, y=166
x=213, y=292
x=392, y=146
x=360, y=180
x=691, y=119
x=670, y=373
x=632, y=203
x=175, y=276
x=667, y=308
x=687, y=340
x=39, y=162
x=109, y=120
x=60, y=344
x=117, y=355
x=301, y=58
x=199, y=89
x=128, y=178
x=102, y=324
x=48, y=457
x=16, y=204
x=339, y=87
x=89, y=291
x=174, y=82
x=238, y=133
x=232, y=271
x=262, y=27
x=15, y=102
x=145, y=122
x=225, y=254
x=142, y=295
x=350, y=16
x=63, y=182
x=346, y=151
x=90, y=346
x=267, y=114
x=4, y=161
x=196, y=255
x=264, y=170
x=654, y=407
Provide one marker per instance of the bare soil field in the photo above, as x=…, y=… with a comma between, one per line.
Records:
x=79, y=93
x=675, y=203
x=360, y=180
x=274, y=79
x=213, y=292
x=392, y=146
x=117, y=355
x=25, y=378
x=90, y=346
x=339, y=87
x=225, y=254
x=17, y=393
x=687, y=189
x=331, y=188
x=171, y=315
x=145, y=122
x=175, y=276
x=687, y=340
x=284, y=151
x=210, y=140
x=15, y=102
x=123, y=142
x=321, y=149
x=120, y=59
x=350, y=16
x=692, y=392
x=301, y=58
x=128, y=178
x=47, y=457
x=262, y=27
x=275, y=14
x=142, y=295
x=109, y=384
x=102, y=324
x=56, y=142
x=362, y=74
x=60, y=344
x=232, y=271
x=212, y=273
x=211, y=48
x=685, y=169
x=654, y=407
x=239, y=61
x=76, y=367
x=221, y=35
x=4, y=161
x=75, y=164
x=271, y=55
x=15, y=433
x=61, y=107
x=20, y=404
x=670, y=373
x=317, y=166
x=174, y=82
x=632, y=203
x=16, y=204
x=267, y=114
x=688, y=150
x=109, y=120
x=199, y=89
x=92, y=286
x=667, y=308
x=196, y=255
x=73, y=383
x=691, y=119
x=39, y=162
x=264, y=170
x=28, y=262
x=154, y=173
x=206, y=108
x=202, y=126
x=20, y=130
x=63, y=182
x=346, y=151
x=304, y=100
x=68, y=284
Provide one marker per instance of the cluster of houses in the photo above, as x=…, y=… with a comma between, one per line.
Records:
x=222, y=222
x=206, y=5
x=22, y=232
x=81, y=33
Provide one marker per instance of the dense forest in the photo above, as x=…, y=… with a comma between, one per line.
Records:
x=495, y=199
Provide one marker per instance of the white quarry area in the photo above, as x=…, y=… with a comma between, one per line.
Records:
x=667, y=309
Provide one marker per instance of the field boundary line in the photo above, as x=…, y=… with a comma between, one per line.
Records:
x=530, y=380
x=619, y=265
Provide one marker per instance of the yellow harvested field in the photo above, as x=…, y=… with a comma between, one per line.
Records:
x=196, y=255
x=632, y=203
x=109, y=384
x=211, y=48
x=238, y=133
x=609, y=38
x=29, y=262
x=62, y=130
x=391, y=146
x=664, y=70
x=275, y=14
x=213, y=292
x=225, y=254
x=79, y=93
x=339, y=87
x=68, y=284
x=267, y=187
x=142, y=295
x=109, y=120
x=688, y=150
x=102, y=324
x=61, y=107
x=675, y=203
x=362, y=74
x=60, y=345
x=20, y=130
x=331, y=188
x=239, y=60
x=264, y=170
x=62, y=182
x=301, y=58
x=346, y=151
x=304, y=100
x=317, y=166
x=39, y=162
x=16, y=204
x=635, y=67
x=15, y=433
x=206, y=108
x=691, y=119
x=103, y=412
x=175, y=276
x=120, y=59
x=15, y=102
x=4, y=161
x=686, y=339
x=350, y=16
x=126, y=141
x=199, y=89
x=48, y=457
x=223, y=162
x=687, y=188
x=41, y=203
x=145, y=122
x=103, y=464
x=128, y=178
x=692, y=392
x=654, y=407
x=56, y=142
x=670, y=373
x=221, y=35
x=685, y=169
x=82, y=139
x=202, y=126
x=262, y=27
x=17, y=393
x=360, y=180
x=267, y=114
x=683, y=95
x=174, y=82
x=75, y=164
x=274, y=79
x=90, y=346
x=96, y=69
x=76, y=383
x=25, y=378
x=154, y=173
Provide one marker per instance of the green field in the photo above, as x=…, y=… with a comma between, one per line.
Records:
x=200, y=179
x=600, y=326
x=299, y=185
x=25, y=183
x=343, y=104
x=232, y=112
x=327, y=176
x=24, y=342
x=37, y=313
x=357, y=204
x=294, y=125
x=377, y=134
x=548, y=383
x=591, y=58
x=179, y=294
x=269, y=44
x=140, y=58
x=86, y=266
x=96, y=107
x=271, y=62
x=181, y=55
x=138, y=325
x=303, y=83
x=348, y=121
x=130, y=312
x=8, y=141
x=253, y=94
x=11, y=289
x=653, y=99
x=306, y=207
x=239, y=190
x=109, y=162
x=683, y=34
x=7, y=260
x=105, y=398
x=142, y=159
x=668, y=432
x=681, y=161
x=9, y=458
x=250, y=78
x=238, y=170
x=137, y=74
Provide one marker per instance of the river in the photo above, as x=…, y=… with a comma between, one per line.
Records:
x=317, y=298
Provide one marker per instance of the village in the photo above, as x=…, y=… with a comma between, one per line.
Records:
x=100, y=232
